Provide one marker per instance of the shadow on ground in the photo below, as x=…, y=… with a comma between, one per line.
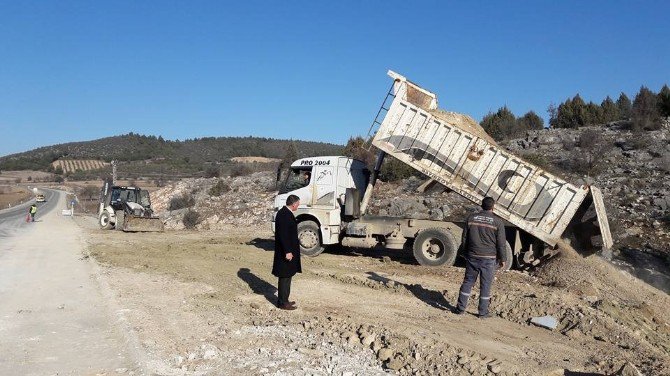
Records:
x=433, y=298
x=400, y=256
x=264, y=244
x=258, y=285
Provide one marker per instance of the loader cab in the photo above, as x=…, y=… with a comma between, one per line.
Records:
x=118, y=195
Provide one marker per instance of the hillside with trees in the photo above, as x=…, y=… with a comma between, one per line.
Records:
x=151, y=155
x=644, y=112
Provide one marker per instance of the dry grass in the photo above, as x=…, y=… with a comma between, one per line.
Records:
x=10, y=196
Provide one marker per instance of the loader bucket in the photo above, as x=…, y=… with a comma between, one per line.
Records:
x=134, y=223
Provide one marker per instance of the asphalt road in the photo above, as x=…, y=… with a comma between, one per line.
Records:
x=14, y=218
x=56, y=316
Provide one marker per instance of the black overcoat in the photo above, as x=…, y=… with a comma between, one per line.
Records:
x=286, y=241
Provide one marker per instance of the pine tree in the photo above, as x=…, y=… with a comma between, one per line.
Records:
x=593, y=114
x=529, y=121
x=664, y=101
x=499, y=125
x=624, y=106
x=290, y=154
x=645, y=112
x=609, y=109
x=355, y=148
x=571, y=113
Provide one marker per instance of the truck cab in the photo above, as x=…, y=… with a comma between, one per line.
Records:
x=325, y=185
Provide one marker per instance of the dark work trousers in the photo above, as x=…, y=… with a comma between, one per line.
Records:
x=485, y=268
x=284, y=290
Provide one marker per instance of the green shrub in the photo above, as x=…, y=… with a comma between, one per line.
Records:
x=191, y=219
x=219, y=188
x=181, y=202
x=212, y=171
x=538, y=160
x=240, y=169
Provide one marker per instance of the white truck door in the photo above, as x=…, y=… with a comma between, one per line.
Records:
x=324, y=187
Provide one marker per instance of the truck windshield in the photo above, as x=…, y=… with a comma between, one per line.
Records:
x=296, y=178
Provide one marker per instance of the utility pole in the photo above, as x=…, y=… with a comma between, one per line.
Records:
x=114, y=162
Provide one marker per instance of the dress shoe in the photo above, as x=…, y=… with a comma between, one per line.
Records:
x=291, y=303
x=287, y=307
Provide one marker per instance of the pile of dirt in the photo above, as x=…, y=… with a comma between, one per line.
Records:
x=241, y=201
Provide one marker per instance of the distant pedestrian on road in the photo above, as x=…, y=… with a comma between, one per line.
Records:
x=32, y=211
x=287, y=251
x=484, y=243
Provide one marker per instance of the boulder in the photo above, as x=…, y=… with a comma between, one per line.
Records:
x=548, y=322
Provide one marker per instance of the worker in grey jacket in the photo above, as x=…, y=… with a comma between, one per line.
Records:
x=484, y=244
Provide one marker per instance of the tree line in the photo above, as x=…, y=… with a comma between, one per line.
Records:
x=643, y=113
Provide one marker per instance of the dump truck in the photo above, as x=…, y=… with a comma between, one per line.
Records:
x=127, y=209
x=539, y=208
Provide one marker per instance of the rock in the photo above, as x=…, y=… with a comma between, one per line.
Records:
x=210, y=354
x=548, y=322
x=495, y=368
x=628, y=369
x=436, y=215
x=573, y=333
x=376, y=346
x=395, y=364
x=463, y=360
x=368, y=339
x=353, y=340
x=347, y=335
x=385, y=354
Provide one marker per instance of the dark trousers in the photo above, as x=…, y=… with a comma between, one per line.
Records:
x=485, y=268
x=284, y=290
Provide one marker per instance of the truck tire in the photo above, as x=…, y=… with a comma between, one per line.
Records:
x=309, y=237
x=104, y=220
x=120, y=217
x=509, y=258
x=435, y=247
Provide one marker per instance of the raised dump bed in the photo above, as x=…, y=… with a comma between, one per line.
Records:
x=455, y=151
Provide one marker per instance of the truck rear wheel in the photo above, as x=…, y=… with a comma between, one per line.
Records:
x=309, y=238
x=509, y=257
x=434, y=247
x=104, y=220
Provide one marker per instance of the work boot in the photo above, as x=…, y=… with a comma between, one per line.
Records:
x=287, y=307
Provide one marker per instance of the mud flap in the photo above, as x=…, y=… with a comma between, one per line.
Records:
x=143, y=224
x=589, y=230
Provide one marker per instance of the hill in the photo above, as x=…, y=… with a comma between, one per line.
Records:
x=151, y=155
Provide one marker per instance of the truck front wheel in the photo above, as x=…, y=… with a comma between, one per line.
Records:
x=310, y=239
x=120, y=218
x=104, y=220
x=434, y=247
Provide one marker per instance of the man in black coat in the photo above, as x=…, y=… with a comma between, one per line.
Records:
x=287, y=251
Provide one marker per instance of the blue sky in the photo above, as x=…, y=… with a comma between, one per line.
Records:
x=312, y=70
